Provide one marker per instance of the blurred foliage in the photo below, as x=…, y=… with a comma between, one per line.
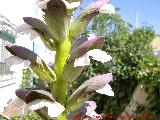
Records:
x=27, y=79
x=133, y=63
x=30, y=80
x=31, y=116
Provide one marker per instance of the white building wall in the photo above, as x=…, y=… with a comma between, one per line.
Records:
x=0, y=50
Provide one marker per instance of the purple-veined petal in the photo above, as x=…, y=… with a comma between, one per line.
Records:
x=54, y=108
x=106, y=90
x=99, y=55
x=82, y=61
x=107, y=8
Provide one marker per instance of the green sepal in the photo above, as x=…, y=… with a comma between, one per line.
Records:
x=43, y=71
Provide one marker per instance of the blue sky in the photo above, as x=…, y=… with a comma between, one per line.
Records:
x=148, y=11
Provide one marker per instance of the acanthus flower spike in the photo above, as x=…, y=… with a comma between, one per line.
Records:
x=73, y=52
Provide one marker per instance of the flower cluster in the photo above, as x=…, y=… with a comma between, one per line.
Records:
x=62, y=34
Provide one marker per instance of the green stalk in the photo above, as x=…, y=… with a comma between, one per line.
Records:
x=63, y=116
x=60, y=86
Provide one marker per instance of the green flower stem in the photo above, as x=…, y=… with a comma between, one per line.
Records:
x=61, y=56
x=60, y=86
x=63, y=116
x=60, y=90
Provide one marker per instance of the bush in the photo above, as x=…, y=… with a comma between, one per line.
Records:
x=133, y=63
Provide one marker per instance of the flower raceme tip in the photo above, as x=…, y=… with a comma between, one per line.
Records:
x=43, y=4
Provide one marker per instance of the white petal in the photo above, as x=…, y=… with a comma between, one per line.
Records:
x=42, y=4
x=106, y=90
x=17, y=63
x=33, y=34
x=95, y=115
x=91, y=36
x=27, y=29
x=48, y=56
x=99, y=55
x=22, y=28
x=13, y=60
x=54, y=108
x=71, y=5
x=107, y=8
x=57, y=107
x=82, y=61
x=90, y=107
